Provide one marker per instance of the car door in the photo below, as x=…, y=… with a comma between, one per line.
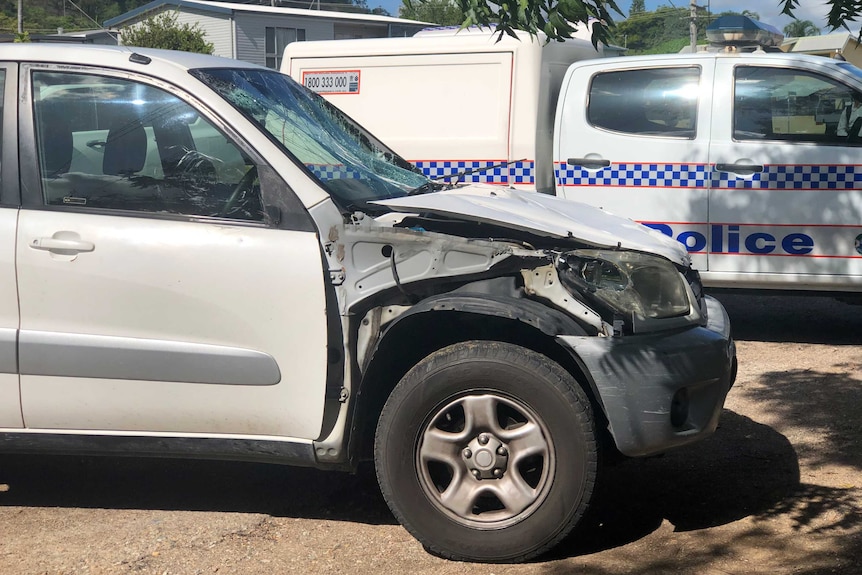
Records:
x=10, y=401
x=785, y=205
x=156, y=294
x=634, y=140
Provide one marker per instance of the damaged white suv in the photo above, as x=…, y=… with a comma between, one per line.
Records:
x=204, y=259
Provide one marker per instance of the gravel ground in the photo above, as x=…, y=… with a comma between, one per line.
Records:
x=777, y=490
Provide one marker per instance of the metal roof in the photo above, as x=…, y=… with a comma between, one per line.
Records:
x=232, y=7
x=825, y=43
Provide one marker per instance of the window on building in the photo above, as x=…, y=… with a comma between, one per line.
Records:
x=276, y=40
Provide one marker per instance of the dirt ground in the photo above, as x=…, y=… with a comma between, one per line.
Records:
x=777, y=490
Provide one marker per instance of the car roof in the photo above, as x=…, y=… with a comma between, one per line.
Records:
x=117, y=57
x=737, y=55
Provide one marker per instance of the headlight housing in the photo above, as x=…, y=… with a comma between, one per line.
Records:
x=636, y=287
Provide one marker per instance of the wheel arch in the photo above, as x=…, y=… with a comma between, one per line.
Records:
x=445, y=320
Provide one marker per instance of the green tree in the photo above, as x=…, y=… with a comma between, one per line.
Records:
x=443, y=12
x=662, y=31
x=163, y=31
x=799, y=28
x=637, y=7
x=556, y=17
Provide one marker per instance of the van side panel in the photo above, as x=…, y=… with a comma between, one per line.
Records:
x=443, y=112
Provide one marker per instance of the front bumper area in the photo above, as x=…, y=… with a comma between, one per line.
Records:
x=661, y=390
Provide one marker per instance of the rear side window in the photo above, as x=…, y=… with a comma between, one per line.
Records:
x=654, y=102
x=793, y=105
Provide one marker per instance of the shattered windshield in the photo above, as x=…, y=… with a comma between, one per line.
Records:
x=348, y=161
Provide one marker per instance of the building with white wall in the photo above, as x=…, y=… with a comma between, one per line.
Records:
x=259, y=34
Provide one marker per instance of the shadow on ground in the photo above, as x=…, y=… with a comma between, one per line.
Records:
x=745, y=469
x=800, y=319
x=169, y=484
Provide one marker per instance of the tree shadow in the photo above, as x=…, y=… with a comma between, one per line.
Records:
x=825, y=404
x=744, y=469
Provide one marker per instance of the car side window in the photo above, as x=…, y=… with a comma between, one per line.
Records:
x=793, y=105
x=117, y=144
x=656, y=102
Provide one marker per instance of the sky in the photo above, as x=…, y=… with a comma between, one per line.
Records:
x=814, y=10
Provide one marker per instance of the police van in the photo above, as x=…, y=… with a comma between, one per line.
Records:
x=748, y=158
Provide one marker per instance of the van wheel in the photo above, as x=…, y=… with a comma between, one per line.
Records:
x=487, y=451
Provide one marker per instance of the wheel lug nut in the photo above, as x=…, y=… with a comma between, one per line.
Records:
x=467, y=453
x=502, y=451
x=497, y=472
x=476, y=473
x=483, y=438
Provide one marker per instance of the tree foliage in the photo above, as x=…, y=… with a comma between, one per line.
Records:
x=556, y=18
x=163, y=31
x=637, y=7
x=46, y=16
x=799, y=28
x=553, y=17
x=443, y=12
x=661, y=31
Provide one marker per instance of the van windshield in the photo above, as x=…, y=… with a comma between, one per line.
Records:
x=352, y=165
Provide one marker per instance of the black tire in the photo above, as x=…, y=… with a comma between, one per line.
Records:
x=531, y=468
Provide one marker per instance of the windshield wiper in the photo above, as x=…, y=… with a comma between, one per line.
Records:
x=427, y=188
x=434, y=185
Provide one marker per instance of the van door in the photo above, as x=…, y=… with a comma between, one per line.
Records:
x=634, y=140
x=785, y=207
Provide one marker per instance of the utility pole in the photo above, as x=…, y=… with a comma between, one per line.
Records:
x=692, y=26
x=20, y=17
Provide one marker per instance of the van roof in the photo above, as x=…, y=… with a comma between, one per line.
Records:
x=444, y=40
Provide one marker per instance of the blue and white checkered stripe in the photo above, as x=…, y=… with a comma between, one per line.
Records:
x=635, y=175
x=790, y=177
x=773, y=177
x=514, y=173
x=333, y=172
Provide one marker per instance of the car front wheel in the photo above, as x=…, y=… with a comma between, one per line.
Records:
x=486, y=451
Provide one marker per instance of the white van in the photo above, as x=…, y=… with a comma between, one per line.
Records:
x=741, y=157
x=449, y=101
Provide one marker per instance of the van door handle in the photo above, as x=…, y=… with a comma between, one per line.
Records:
x=62, y=245
x=588, y=163
x=739, y=168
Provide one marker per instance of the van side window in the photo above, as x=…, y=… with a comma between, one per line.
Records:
x=654, y=102
x=110, y=143
x=792, y=105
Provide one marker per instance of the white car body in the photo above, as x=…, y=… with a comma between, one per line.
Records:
x=201, y=258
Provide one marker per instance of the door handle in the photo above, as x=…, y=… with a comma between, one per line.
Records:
x=739, y=168
x=588, y=163
x=62, y=245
